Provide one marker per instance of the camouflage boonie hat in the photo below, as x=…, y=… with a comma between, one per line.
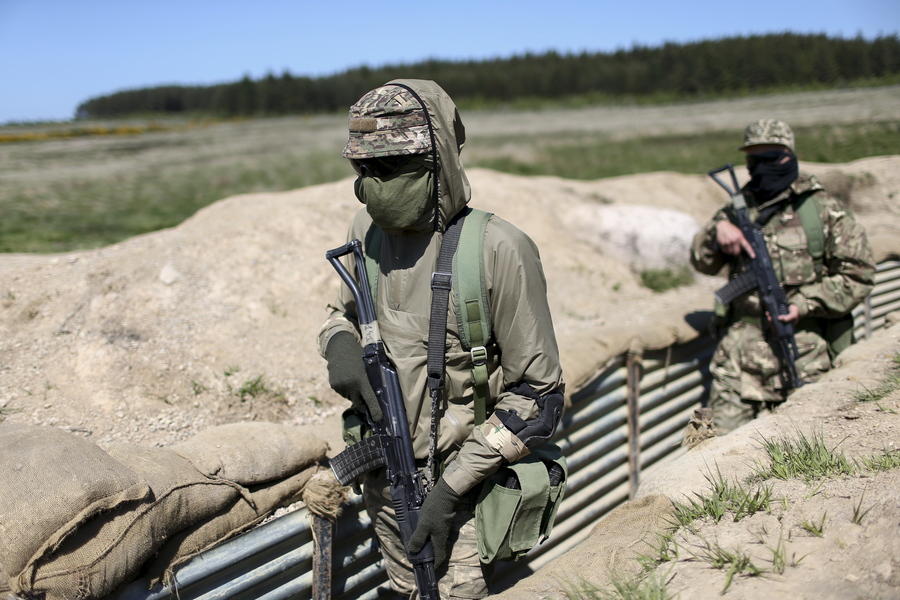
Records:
x=768, y=131
x=387, y=121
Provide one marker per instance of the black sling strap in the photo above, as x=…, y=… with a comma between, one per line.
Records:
x=441, y=284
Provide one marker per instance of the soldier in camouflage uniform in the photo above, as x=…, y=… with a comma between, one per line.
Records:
x=405, y=143
x=822, y=292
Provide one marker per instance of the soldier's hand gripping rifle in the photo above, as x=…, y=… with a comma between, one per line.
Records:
x=391, y=444
x=760, y=275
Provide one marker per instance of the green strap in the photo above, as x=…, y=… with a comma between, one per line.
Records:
x=811, y=219
x=473, y=312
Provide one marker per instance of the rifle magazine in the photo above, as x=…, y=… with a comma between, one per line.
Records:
x=358, y=459
x=736, y=288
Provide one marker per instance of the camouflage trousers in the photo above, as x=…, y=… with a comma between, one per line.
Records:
x=463, y=577
x=746, y=375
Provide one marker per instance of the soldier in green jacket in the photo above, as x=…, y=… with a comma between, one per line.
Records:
x=405, y=142
x=821, y=256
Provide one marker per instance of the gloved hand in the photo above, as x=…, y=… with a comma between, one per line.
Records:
x=347, y=374
x=435, y=520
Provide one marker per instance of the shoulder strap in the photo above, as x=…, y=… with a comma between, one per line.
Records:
x=441, y=284
x=472, y=310
x=811, y=219
x=473, y=313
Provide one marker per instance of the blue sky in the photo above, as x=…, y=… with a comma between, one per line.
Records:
x=55, y=54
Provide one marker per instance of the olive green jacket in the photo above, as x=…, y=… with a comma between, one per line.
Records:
x=523, y=348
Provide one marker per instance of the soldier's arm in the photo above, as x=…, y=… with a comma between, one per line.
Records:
x=529, y=354
x=706, y=255
x=849, y=268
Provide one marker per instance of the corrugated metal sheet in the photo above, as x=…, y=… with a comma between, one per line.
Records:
x=652, y=396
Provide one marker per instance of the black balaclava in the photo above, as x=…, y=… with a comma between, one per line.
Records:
x=769, y=176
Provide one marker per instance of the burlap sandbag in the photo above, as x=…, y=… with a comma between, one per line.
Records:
x=240, y=515
x=252, y=453
x=110, y=549
x=52, y=481
x=611, y=549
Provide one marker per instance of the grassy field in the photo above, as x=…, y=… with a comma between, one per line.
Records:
x=85, y=185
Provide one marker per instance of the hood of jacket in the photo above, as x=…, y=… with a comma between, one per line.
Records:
x=414, y=116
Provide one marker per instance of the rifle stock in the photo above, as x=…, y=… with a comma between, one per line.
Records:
x=760, y=275
x=391, y=443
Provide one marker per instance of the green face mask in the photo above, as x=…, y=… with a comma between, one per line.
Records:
x=401, y=199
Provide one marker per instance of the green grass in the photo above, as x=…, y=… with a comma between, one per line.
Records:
x=660, y=280
x=595, y=156
x=90, y=212
x=885, y=388
x=724, y=498
x=798, y=456
x=255, y=387
x=67, y=194
x=817, y=528
x=889, y=459
x=645, y=586
x=736, y=562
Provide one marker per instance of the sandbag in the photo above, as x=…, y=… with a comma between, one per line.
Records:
x=238, y=516
x=52, y=481
x=251, y=453
x=111, y=548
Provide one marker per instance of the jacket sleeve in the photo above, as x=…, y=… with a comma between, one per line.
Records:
x=523, y=330
x=705, y=256
x=849, y=268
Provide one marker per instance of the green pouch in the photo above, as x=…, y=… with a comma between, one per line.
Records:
x=509, y=521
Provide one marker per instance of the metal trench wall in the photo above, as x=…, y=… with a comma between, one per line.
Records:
x=626, y=420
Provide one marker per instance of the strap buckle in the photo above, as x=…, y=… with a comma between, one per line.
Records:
x=479, y=355
x=441, y=281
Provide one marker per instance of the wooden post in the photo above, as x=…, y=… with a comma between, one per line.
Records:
x=322, y=530
x=634, y=369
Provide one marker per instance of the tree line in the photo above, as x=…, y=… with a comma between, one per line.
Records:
x=703, y=68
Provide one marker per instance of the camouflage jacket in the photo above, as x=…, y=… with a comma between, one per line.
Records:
x=847, y=273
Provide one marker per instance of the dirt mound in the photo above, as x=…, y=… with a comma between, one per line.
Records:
x=827, y=538
x=156, y=338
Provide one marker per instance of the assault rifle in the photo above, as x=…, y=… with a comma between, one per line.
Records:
x=760, y=275
x=391, y=444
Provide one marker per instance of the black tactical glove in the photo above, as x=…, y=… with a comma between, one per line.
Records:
x=435, y=520
x=347, y=374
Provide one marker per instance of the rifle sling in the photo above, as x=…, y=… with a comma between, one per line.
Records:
x=441, y=284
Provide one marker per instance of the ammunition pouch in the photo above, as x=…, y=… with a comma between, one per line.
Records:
x=517, y=506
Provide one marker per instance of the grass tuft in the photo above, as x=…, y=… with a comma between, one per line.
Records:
x=888, y=459
x=646, y=586
x=814, y=527
x=801, y=457
x=725, y=497
x=887, y=387
x=660, y=280
x=736, y=561
x=858, y=513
